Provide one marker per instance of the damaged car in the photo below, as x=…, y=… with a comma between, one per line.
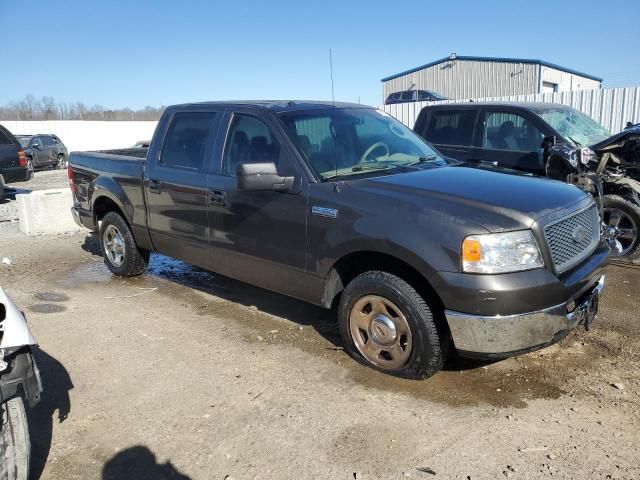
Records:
x=19, y=381
x=551, y=140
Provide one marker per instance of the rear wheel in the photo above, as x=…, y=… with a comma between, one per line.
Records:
x=15, y=447
x=119, y=249
x=624, y=216
x=386, y=324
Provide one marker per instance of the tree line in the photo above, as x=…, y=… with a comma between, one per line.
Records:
x=46, y=108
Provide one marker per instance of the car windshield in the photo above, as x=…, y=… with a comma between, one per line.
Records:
x=574, y=125
x=24, y=141
x=347, y=142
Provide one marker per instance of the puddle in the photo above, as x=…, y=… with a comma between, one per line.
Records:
x=47, y=308
x=273, y=319
x=51, y=297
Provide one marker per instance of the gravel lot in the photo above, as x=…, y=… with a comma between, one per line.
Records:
x=181, y=374
x=40, y=181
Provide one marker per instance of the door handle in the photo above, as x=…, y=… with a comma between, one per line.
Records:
x=153, y=186
x=217, y=197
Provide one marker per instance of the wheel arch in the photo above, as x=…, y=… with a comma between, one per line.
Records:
x=352, y=264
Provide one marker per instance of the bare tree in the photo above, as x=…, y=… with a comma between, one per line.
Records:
x=46, y=108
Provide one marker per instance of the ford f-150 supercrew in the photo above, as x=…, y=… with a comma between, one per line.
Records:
x=341, y=205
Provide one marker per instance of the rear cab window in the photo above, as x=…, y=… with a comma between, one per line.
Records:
x=451, y=127
x=186, y=140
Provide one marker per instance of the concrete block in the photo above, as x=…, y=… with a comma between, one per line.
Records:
x=45, y=212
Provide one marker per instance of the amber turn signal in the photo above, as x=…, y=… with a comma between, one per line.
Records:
x=471, y=250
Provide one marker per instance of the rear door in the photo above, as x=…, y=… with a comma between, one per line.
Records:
x=512, y=138
x=175, y=183
x=451, y=131
x=258, y=236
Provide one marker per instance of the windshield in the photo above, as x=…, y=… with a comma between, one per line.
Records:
x=574, y=125
x=346, y=142
x=24, y=141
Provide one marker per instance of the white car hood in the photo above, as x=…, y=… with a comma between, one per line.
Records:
x=14, y=328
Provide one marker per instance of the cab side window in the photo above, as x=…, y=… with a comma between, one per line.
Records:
x=451, y=127
x=186, y=140
x=249, y=141
x=510, y=131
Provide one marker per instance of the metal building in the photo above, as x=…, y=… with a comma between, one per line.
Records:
x=460, y=77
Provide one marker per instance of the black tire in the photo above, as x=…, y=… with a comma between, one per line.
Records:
x=15, y=446
x=135, y=259
x=428, y=352
x=632, y=214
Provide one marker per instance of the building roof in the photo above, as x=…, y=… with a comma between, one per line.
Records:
x=495, y=59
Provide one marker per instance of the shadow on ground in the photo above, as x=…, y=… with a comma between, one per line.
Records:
x=139, y=463
x=55, y=400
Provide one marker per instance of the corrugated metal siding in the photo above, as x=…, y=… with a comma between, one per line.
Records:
x=612, y=107
x=470, y=79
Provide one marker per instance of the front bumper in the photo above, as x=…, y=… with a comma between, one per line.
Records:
x=501, y=336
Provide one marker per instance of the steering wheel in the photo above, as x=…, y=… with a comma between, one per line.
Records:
x=373, y=147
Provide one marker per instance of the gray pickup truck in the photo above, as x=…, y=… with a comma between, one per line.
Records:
x=341, y=205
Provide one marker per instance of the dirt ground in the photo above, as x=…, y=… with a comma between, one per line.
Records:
x=182, y=374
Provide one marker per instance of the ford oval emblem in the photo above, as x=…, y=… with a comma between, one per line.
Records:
x=579, y=234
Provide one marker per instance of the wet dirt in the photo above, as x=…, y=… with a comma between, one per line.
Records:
x=272, y=319
x=47, y=308
x=220, y=378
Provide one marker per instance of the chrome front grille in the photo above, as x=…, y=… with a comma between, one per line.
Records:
x=573, y=238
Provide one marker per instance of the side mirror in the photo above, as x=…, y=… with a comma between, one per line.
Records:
x=548, y=142
x=35, y=146
x=262, y=177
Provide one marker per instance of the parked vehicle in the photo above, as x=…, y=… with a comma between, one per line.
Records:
x=45, y=151
x=14, y=165
x=343, y=205
x=19, y=381
x=413, y=96
x=549, y=140
x=142, y=144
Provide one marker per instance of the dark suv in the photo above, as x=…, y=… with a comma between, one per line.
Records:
x=14, y=165
x=413, y=96
x=44, y=150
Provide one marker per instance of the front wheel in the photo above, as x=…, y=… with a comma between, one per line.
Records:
x=624, y=216
x=119, y=249
x=15, y=447
x=386, y=324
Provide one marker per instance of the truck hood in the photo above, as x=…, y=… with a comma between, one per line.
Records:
x=625, y=144
x=496, y=200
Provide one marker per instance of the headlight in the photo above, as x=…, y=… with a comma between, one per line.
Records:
x=501, y=252
x=587, y=155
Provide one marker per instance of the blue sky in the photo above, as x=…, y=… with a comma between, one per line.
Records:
x=135, y=53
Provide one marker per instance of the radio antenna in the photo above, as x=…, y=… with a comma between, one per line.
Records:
x=333, y=99
x=335, y=140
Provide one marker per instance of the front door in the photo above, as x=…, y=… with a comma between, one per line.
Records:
x=258, y=236
x=176, y=185
x=512, y=140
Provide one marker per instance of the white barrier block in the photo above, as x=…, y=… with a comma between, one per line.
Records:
x=45, y=212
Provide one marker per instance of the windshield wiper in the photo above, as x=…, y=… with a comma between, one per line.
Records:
x=578, y=144
x=360, y=168
x=425, y=159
